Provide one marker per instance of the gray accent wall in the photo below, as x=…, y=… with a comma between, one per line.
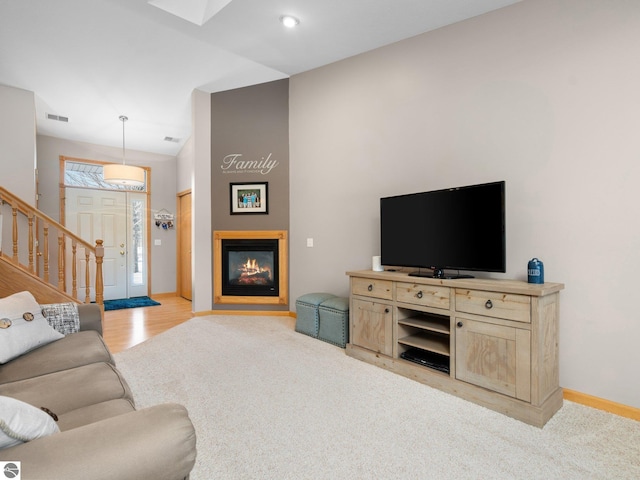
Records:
x=250, y=143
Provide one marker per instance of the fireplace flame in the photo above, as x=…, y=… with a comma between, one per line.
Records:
x=251, y=270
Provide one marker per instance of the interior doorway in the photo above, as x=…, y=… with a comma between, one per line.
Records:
x=184, y=245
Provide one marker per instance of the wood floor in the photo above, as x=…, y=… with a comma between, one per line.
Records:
x=128, y=327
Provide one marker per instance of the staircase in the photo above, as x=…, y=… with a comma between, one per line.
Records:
x=40, y=255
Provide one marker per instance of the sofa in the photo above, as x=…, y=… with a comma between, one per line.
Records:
x=66, y=412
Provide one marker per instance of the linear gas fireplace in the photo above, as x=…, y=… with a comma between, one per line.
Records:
x=250, y=267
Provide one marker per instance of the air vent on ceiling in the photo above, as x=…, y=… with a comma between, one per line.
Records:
x=171, y=139
x=58, y=118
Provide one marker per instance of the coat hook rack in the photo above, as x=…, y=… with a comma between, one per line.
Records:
x=164, y=219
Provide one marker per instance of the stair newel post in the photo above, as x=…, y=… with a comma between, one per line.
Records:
x=99, y=281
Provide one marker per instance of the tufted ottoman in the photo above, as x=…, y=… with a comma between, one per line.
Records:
x=308, y=319
x=334, y=321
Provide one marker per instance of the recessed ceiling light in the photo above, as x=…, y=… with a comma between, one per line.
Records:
x=289, y=21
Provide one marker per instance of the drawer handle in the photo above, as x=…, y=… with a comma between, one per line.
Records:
x=459, y=324
x=419, y=294
x=386, y=310
x=489, y=304
x=370, y=288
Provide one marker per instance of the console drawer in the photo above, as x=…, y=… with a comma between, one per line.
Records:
x=424, y=295
x=369, y=287
x=494, y=304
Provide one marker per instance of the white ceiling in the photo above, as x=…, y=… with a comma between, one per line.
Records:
x=94, y=60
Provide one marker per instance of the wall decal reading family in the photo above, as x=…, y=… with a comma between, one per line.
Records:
x=232, y=163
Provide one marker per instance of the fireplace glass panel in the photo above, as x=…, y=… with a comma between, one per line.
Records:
x=250, y=267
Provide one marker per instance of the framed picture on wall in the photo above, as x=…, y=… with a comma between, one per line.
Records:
x=249, y=198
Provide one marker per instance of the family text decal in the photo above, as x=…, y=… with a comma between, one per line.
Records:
x=233, y=163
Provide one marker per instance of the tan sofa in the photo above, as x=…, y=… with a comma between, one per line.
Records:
x=101, y=435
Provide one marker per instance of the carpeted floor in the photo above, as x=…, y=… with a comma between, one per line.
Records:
x=133, y=302
x=270, y=403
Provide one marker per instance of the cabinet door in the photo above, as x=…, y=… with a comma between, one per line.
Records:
x=496, y=357
x=371, y=326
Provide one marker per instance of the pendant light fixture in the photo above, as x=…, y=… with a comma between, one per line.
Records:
x=122, y=174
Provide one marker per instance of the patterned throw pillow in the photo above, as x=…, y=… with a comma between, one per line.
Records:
x=62, y=316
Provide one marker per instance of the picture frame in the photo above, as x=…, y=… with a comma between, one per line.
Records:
x=249, y=198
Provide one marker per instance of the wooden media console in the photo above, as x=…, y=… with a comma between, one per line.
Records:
x=492, y=342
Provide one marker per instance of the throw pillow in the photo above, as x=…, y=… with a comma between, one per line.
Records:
x=62, y=316
x=25, y=327
x=21, y=422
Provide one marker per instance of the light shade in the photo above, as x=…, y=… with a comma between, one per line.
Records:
x=121, y=174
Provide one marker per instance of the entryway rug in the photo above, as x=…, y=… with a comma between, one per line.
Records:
x=132, y=302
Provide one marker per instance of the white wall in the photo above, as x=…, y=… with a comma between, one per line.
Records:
x=542, y=94
x=163, y=194
x=17, y=142
x=184, y=167
x=202, y=234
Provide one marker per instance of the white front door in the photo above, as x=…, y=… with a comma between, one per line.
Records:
x=118, y=219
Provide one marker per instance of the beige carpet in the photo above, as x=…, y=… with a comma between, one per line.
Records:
x=270, y=403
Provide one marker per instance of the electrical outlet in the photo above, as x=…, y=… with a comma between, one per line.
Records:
x=309, y=242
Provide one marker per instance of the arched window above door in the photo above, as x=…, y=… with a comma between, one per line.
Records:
x=88, y=174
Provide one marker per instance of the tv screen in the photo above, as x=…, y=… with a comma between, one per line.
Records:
x=459, y=228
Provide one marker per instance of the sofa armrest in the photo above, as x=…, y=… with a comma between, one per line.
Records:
x=157, y=442
x=90, y=315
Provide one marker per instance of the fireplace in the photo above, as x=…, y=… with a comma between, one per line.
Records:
x=250, y=267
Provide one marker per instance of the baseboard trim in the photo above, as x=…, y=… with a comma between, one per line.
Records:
x=602, y=404
x=267, y=313
x=164, y=295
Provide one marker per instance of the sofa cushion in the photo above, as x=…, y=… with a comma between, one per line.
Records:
x=90, y=317
x=94, y=413
x=64, y=391
x=21, y=422
x=26, y=327
x=75, y=350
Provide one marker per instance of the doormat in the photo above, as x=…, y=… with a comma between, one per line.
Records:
x=132, y=302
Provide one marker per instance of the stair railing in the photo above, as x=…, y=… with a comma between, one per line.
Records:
x=31, y=250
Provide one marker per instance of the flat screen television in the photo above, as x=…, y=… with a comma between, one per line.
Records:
x=459, y=228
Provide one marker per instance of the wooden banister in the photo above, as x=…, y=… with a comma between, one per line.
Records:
x=25, y=221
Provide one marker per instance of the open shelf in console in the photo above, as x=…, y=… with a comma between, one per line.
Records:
x=427, y=359
x=424, y=338
x=432, y=343
x=426, y=321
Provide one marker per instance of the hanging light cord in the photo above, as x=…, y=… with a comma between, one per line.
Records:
x=123, y=119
